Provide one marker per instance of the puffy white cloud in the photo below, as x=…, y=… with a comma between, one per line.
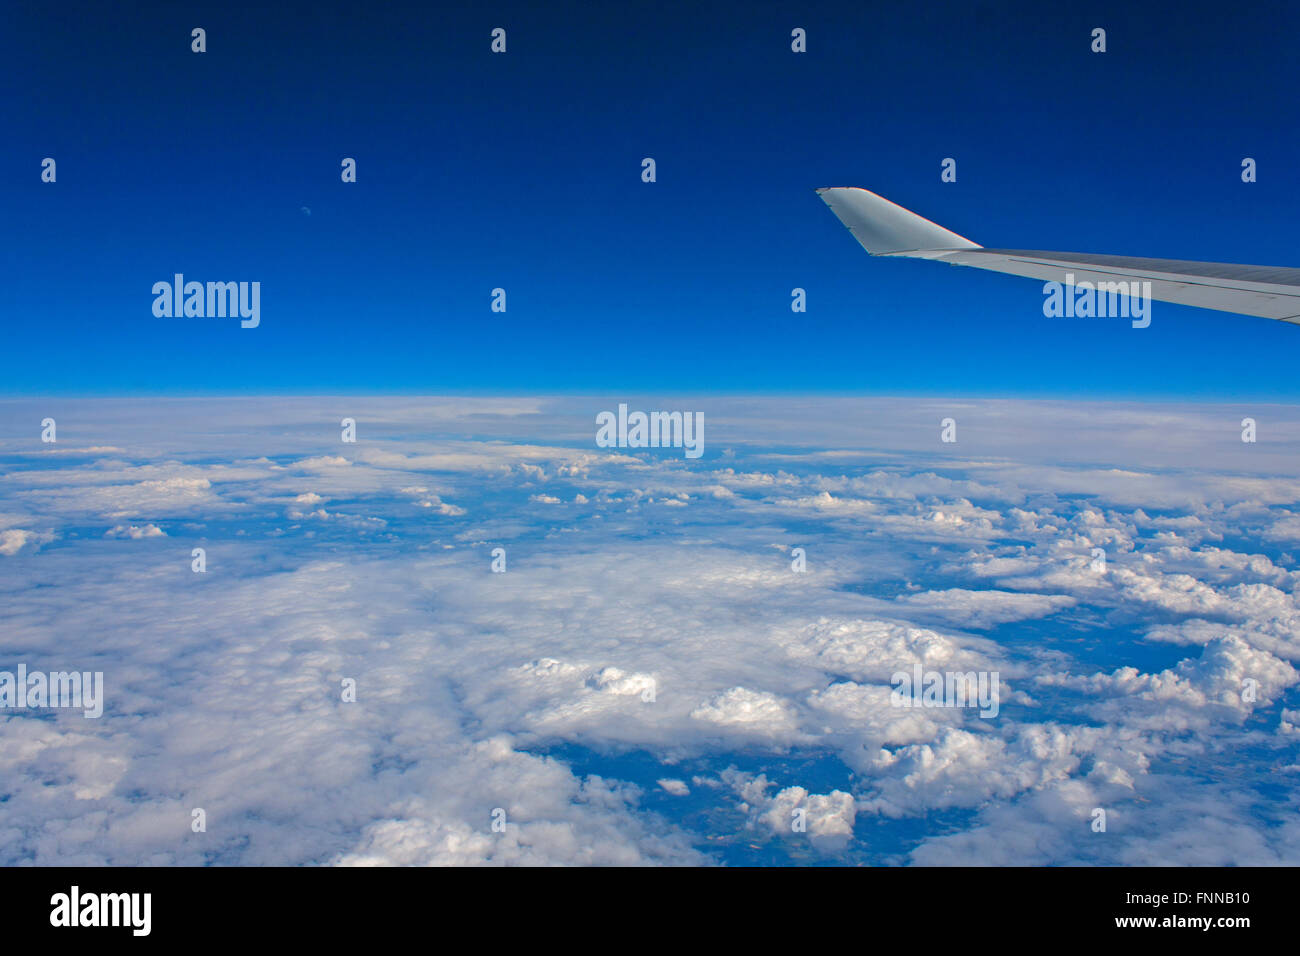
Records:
x=135, y=533
x=1230, y=676
x=13, y=540
x=825, y=819
x=749, y=711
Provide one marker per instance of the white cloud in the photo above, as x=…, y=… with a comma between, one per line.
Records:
x=135, y=533
x=751, y=711
x=13, y=540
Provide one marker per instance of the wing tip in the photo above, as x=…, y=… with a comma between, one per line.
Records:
x=883, y=227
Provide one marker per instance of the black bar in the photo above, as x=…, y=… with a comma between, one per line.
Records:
x=333, y=906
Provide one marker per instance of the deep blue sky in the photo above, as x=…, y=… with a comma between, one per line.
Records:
x=523, y=171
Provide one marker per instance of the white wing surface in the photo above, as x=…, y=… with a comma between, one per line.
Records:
x=886, y=229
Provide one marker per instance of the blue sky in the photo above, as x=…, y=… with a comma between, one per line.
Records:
x=522, y=171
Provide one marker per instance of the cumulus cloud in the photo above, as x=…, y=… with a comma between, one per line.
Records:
x=752, y=711
x=13, y=540
x=135, y=533
x=825, y=819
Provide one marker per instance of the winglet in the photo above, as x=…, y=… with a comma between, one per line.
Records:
x=885, y=228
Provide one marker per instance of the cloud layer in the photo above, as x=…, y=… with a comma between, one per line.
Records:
x=650, y=679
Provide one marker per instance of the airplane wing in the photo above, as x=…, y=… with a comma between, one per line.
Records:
x=886, y=229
